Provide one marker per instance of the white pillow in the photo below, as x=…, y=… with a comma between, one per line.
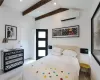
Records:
x=69, y=53
x=56, y=53
x=56, y=49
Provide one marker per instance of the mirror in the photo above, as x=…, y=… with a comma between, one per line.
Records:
x=95, y=34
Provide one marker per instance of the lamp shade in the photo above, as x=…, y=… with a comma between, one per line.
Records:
x=5, y=40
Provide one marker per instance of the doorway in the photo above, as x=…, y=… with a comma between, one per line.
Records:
x=41, y=43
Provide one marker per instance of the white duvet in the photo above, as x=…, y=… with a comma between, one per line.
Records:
x=54, y=68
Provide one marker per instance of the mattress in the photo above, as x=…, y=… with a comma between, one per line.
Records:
x=53, y=68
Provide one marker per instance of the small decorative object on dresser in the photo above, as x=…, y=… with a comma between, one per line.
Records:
x=10, y=32
x=85, y=71
x=65, y=32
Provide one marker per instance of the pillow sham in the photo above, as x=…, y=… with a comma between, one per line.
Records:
x=56, y=53
x=69, y=53
x=56, y=49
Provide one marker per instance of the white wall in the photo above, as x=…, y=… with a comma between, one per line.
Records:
x=24, y=24
x=94, y=65
x=27, y=38
x=55, y=22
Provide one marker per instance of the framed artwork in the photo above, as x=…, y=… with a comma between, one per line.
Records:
x=65, y=32
x=95, y=34
x=10, y=32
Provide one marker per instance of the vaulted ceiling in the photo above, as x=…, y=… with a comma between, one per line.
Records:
x=22, y=5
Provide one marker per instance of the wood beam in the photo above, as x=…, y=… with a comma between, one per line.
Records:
x=51, y=13
x=1, y=1
x=37, y=5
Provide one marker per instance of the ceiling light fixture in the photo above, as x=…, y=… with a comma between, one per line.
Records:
x=55, y=3
x=21, y=0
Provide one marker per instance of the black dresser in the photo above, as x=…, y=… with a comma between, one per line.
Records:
x=12, y=59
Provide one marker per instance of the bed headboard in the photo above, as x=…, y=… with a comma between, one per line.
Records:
x=74, y=48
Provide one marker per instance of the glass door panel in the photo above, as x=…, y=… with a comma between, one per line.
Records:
x=41, y=43
x=41, y=53
x=42, y=34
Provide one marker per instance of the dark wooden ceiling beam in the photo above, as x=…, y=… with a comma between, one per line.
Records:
x=51, y=13
x=1, y=1
x=37, y=5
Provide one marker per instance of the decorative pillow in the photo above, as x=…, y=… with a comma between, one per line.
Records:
x=69, y=53
x=56, y=53
x=56, y=49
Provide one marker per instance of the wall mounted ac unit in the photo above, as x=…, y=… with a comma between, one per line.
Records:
x=71, y=14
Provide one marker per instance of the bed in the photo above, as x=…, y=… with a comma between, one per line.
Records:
x=55, y=67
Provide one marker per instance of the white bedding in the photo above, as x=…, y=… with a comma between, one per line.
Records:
x=54, y=68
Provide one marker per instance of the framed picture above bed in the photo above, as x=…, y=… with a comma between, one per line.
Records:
x=10, y=32
x=66, y=32
x=95, y=34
